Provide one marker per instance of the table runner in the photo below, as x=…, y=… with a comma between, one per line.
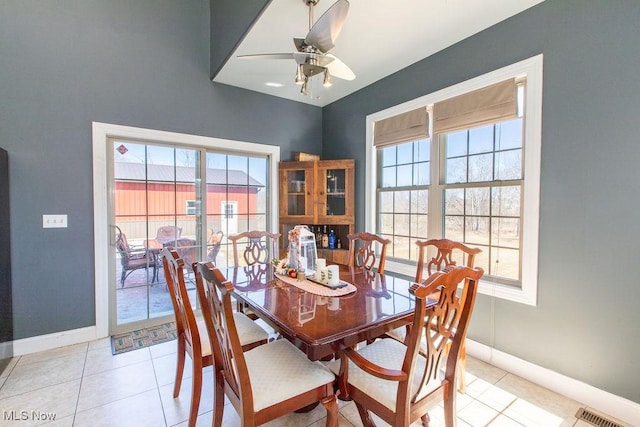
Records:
x=317, y=289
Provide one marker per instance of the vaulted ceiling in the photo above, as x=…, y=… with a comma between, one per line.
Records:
x=378, y=38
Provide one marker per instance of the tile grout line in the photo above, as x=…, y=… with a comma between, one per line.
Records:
x=155, y=377
x=84, y=367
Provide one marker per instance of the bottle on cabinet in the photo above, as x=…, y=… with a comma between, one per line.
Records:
x=332, y=239
x=318, y=236
x=325, y=238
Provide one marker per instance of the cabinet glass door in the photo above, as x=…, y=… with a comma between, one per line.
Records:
x=335, y=189
x=296, y=193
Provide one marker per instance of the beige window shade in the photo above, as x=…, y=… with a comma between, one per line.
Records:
x=409, y=126
x=487, y=105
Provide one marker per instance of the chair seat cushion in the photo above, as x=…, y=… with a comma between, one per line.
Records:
x=387, y=353
x=279, y=371
x=248, y=330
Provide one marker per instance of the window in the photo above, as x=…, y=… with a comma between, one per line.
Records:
x=474, y=179
x=190, y=207
x=403, y=194
x=482, y=191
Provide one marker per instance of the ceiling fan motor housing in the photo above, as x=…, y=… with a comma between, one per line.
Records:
x=311, y=70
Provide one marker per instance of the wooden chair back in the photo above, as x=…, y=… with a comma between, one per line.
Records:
x=261, y=248
x=362, y=250
x=217, y=310
x=189, y=338
x=421, y=383
x=447, y=252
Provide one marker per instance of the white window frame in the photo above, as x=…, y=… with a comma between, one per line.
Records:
x=101, y=133
x=532, y=68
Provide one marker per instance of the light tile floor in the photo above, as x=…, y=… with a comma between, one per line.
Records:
x=85, y=385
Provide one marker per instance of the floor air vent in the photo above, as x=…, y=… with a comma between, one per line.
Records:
x=595, y=419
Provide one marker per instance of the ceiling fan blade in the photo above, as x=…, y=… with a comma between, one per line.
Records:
x=324, y=32
x=267, y=56
x=339, y=69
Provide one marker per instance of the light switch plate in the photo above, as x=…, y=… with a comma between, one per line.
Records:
x=54, y=221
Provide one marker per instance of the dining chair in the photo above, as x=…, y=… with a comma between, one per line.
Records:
x=362, y=250
x=395, y=380
x=191, y=333
x=131, y=257
x=261, y=247
x=448, y=253
x=266, y=382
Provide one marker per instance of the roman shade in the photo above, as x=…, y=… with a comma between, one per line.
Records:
x=409, y=126
x=487, y=105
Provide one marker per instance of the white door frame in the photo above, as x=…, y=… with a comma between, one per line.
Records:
x=101, y=197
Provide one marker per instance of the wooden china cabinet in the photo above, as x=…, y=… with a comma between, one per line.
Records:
x=318, y=194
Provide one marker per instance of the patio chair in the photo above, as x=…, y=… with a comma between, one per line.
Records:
x=362, y=250
x=397, y=382
x=214, y=240
x=133, y=257
x=267, y=382
x=168, y=234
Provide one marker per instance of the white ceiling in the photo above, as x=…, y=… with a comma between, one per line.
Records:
x=378, y=38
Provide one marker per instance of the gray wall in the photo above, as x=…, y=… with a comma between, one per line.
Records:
x=585, y=325
x=143, y=63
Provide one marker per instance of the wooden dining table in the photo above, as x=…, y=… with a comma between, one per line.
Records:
x=322, y=325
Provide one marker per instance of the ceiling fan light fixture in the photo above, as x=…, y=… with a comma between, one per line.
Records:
x=300, y=77
x=327, y=82
x=305, y=88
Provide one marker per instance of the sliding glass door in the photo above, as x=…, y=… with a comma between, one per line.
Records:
x=157, y=201
x=155, y=204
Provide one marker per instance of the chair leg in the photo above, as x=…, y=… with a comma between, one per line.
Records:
x=462, y=369
x=365, y=417
x=196, y=391
x=331, y=405
x=179, y=367
x=218, y=398
x=450, y=405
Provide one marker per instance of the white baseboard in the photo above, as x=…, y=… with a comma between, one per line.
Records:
x=6, y=350
x=51, y=341
x=600, y=400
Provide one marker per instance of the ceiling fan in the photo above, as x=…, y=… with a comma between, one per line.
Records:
x=312, y=54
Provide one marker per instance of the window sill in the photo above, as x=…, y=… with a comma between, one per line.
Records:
x=524, y=295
